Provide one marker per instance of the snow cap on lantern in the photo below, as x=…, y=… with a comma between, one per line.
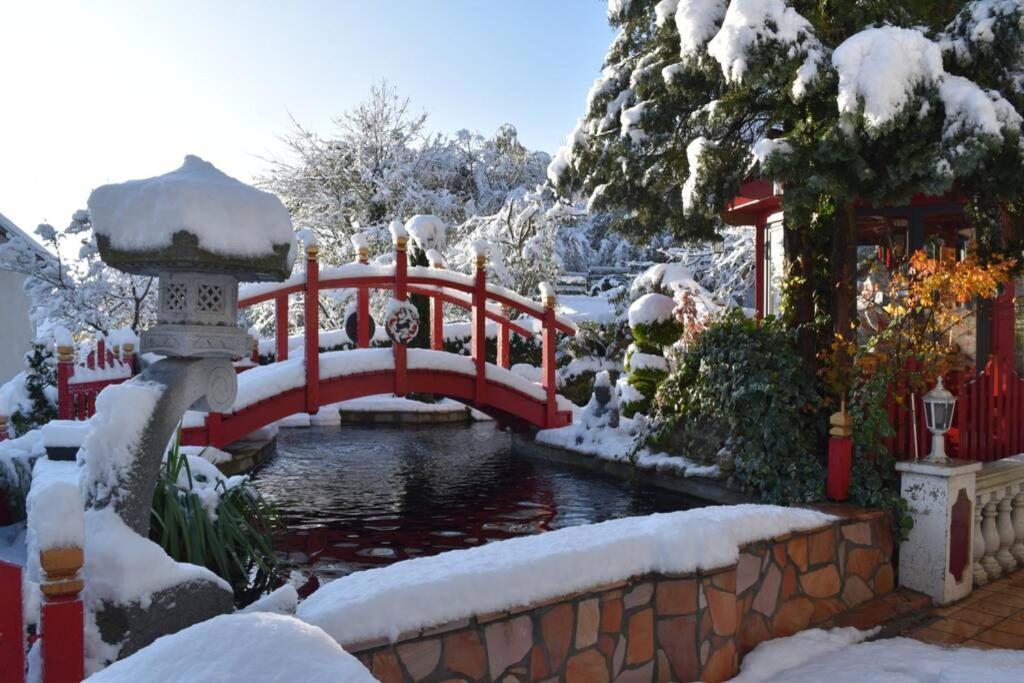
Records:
x=201, y=232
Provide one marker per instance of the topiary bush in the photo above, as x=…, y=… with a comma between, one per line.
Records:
x=741, y=397
x=654, y=326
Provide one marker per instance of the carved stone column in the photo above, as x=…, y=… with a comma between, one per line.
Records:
x=1004, y=526
x=991, y=535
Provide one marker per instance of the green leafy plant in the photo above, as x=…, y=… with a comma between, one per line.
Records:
x=40, y=379
x=740, y=396
x=234, y=539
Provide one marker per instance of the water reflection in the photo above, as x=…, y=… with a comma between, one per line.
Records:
x=357, y=497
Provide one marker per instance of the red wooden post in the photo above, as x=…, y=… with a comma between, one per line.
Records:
x=101, y=352
x=401, y=284
x=65, y=368
x=479, y=329
x=759, y=266
x=548, y=351
x=362, y=302
x=312, y=325
x=213, y=427
x=12, y=624
x=436, y=319
x=254, y=355
x=63, y=623
x=281, y=327
x=128, y=355
x=504, y=348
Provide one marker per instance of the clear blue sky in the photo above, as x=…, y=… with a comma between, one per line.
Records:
x=94, y=92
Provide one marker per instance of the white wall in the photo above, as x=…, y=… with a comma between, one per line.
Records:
x=16, y=331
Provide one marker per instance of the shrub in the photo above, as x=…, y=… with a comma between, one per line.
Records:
x=741, y=390
x=222, y=524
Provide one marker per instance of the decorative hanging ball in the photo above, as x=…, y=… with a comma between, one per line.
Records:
x=402, y=321
x=352, y=326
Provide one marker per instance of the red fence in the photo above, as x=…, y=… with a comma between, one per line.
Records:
x=77, y=391
x=988, y=423
x=62, y=624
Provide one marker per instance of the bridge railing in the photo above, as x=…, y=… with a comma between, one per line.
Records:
x=484, y=301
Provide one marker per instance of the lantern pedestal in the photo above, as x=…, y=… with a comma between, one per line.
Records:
x=936, y=557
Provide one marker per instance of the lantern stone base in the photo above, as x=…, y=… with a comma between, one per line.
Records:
x=196, y=341
x=936, y=557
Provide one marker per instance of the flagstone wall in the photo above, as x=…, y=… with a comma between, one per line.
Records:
x=657, y=627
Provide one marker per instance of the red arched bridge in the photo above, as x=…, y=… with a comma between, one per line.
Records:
x=267, y=393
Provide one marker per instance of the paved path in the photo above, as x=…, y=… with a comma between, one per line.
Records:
x=991, y=617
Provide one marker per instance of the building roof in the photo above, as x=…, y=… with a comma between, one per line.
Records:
x=8, y=230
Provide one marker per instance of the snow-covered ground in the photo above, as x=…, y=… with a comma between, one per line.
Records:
x=618, y=444
x=840, y=656
x=378, y=602
x=580, y=308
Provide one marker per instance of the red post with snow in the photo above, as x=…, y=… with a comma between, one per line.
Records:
x=281, y=327
x=65, y=368
x=312, y=328
x=62, y=616
x=479, y=330
x=401, y=238
x=12, y=624
x=362, y=297
x=548, y=342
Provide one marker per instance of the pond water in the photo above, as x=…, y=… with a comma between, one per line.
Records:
x=356, y=497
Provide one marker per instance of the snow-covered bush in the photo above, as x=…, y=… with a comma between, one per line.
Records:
x=223, y=524
x=654, y=326
x=596, y=347
x=741, y=398
x=37, y=387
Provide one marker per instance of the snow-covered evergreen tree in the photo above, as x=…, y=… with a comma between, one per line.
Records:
x=39, y=382
x=839, y=101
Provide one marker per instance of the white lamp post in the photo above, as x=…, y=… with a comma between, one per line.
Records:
x=938, y=416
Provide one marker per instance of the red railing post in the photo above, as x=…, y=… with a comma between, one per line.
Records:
x=548, y=342
x=213, y=427
x=62, y=617
x=101, y=352
x=504, y=349
x=12, y=624
x=401, y=284
x=281, y=327
x=65, y=368
x=479, y=329
x=363, y=303
x=312, y=327
x=128, y=355
x=437, y=319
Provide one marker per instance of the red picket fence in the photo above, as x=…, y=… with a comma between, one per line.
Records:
x=988, y=423
x=62, y=629
x=76, y=395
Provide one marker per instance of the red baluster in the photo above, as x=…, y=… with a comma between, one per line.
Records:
x=312, y=326
x=281, y=327
x=101, y=352
x=12, y=624
x=401, y=290
x=437, y=318
x=504, y=348
x=548, y=349
x=479, y=329
x=63, y=623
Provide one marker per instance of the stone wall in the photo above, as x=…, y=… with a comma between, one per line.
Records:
x=657, y=627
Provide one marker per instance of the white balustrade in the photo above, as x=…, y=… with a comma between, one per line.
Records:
x=998, y=520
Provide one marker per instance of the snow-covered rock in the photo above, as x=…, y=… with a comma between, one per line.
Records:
x=227, y=216
x=247, y=648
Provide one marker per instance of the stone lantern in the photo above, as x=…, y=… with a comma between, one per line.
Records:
x=198, y=294
x=201, y=233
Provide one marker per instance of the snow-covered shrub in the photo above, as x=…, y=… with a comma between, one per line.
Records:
x=17, y=456
x=596, y=347
x=525, y=350
x=741, y=398
x=39, y=382
x=223, y=524
x=654, y=326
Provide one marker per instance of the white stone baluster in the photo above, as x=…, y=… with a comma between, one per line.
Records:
x=1004, y=526
x=1017, y=517
x=978, y=549
x=991, y=534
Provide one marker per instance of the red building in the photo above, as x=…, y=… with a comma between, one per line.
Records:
x=990, y=411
